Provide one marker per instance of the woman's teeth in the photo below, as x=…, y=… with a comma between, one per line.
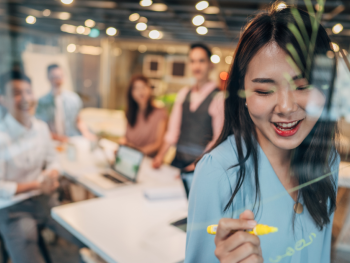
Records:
x=283, y=125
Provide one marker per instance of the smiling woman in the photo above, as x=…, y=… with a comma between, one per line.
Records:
x=276, y=154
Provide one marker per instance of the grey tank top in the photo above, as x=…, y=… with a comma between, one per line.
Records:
x=196, y=129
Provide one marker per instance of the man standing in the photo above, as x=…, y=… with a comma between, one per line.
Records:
x=60, y=109
x=28, y=172
x=197, y=116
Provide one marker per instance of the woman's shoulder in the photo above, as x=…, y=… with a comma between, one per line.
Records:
x=224, y=155
x=159, y=111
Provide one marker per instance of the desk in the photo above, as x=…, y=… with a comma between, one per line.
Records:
x=124, y=226
x=127, y=228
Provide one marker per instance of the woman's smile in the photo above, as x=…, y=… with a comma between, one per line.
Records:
x=286, y=129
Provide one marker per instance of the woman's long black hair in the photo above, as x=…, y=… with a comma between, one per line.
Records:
x=133, y=107
x=317, y=152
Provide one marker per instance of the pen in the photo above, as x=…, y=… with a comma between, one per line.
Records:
x=258, y=230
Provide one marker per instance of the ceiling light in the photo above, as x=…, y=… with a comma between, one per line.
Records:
x=94, y=32
x=335, y=47
x=330, y=54
x=215, y=59
x=146, y=2
x=212, y=10
x=202, y=5
x=143, y=19
x=69, y=28
x=159, y=7
x=142, y=48
x=46, y=12
x=155, y=34
x=90, y=23
x=80, y=29
x=67, y=2
x=281, y=6
x=71, y=48
x=202, y=30
x=337, y=28
x=228, y=59
x=141, y=26
x=134, y=17
x=31, y=20
x=198, y=20
x=64, y=16
x=87, y=31
x=111, y=31
x=223, y=75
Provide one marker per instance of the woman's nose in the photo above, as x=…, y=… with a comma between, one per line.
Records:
x=285, y=102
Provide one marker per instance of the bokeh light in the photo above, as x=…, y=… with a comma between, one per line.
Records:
x=223, y=75
x=71, y=48
x=146, y=3
x=134, y=17
x=111, y=31
x=228, y=59
x=202, y=5
x=202, y=30
x=90, y=23
x=215, y=59
x=31, y=20
x=141, y=26
x=198, y=20
x=155, y=34
x=67, y=2
x=337, y=28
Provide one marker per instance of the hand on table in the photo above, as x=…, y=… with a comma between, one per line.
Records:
x=50, y=182
x=157, y=161
x=60, y=138
x=234, y=245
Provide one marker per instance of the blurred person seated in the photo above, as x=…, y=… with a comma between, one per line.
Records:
x=197, y=116
x=60, y=109
x=28, y=172
x=146, y=122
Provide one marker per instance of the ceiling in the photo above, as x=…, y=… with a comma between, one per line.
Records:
x=175, y=22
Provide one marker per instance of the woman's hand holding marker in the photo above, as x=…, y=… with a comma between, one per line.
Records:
x=233, y=244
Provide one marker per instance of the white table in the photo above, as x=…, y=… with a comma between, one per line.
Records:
x=127, y=227
x=124, y=226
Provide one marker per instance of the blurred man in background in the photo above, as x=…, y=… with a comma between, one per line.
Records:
x=28, y=171
x=197, y=116
x=60, y=109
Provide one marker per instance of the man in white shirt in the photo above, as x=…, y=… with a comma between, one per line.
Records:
x=60, y=109
x=28, y=172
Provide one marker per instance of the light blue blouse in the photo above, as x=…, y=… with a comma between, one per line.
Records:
x=212, y=188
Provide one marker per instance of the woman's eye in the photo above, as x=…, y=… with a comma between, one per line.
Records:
x=304, y=87
x=264, y=93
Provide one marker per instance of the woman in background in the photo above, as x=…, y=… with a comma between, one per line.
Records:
x=146, y=122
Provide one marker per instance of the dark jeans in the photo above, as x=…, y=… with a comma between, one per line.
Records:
x=178, y=163
x=19, y=228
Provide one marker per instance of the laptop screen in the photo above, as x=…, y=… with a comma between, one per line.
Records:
x=127, y=162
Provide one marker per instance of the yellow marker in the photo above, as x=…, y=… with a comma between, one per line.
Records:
x=258, y=230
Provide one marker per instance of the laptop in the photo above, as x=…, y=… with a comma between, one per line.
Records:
x=126, y=165
x=187, y=178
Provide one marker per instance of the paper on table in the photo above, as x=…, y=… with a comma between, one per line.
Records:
x=164, y=193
